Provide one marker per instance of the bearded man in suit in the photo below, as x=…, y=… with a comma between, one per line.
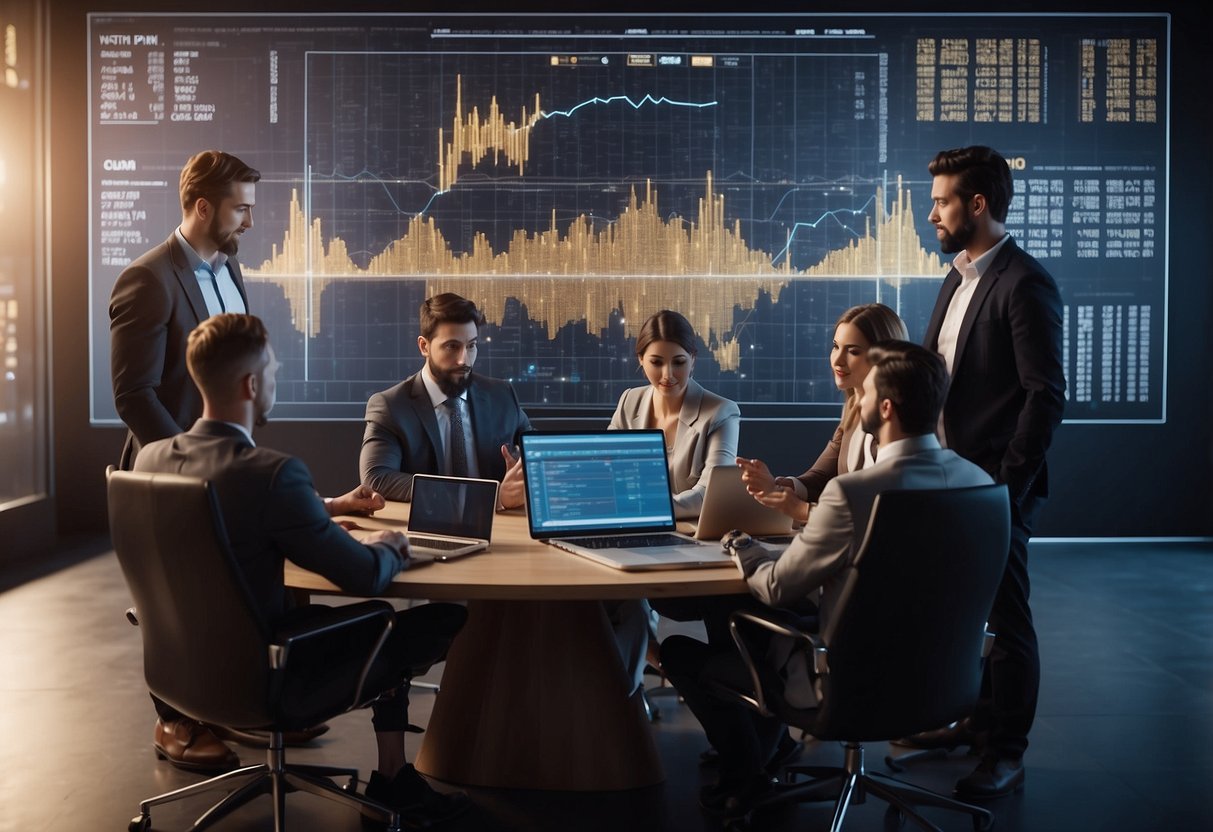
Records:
x=157, y=301
x=900, y=405
x=168, y=291
x=445, y=419
x=998, y=325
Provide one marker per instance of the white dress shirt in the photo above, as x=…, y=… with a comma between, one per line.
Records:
x=970, y=272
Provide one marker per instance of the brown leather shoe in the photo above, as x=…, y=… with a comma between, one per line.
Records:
x=190, y=745
x=261, y=739
x=949, y=737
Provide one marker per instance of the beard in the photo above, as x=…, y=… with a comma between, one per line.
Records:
x=228, y=243
x=870, y=421
x=452, y=382
x=263, y=416
x=954, y=243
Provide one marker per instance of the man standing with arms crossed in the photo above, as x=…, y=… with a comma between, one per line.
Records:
x=997, y=324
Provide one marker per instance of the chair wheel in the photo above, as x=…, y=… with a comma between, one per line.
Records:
x=140, y=823
x=893, y=819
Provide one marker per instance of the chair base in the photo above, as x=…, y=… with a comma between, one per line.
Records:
x=273, y=777
x=850, y=784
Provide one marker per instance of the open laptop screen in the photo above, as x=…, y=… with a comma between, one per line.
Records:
x=596, y=482
x=453, y=506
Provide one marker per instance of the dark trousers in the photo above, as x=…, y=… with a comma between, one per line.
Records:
x=419, y=639
x=1011, y=682
x=745, y=739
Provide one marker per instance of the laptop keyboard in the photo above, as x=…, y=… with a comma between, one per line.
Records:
x=436, y=542
x=630, y=541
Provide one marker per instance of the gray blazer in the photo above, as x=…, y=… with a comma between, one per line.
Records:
x=271, y=512
x=402, y=439
x=154, y=305
x=708, y=426
x=836, y=527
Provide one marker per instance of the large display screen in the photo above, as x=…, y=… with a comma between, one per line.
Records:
x=573, y=174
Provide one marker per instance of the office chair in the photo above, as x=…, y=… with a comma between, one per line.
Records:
x=902, y=651
x=208, y=652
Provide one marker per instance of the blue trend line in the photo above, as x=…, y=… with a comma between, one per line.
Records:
x=828, y=215
x=635, y=105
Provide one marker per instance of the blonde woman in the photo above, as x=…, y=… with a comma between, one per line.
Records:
x=850, y=449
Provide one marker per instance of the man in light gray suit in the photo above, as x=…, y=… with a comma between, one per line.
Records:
x=444, y=419
x=902, y=397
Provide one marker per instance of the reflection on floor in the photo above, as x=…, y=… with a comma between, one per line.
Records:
x=1123, y=739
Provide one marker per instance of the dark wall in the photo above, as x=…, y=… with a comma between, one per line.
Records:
x=1110, y=480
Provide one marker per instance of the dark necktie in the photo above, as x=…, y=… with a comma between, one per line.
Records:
x=215, y=285
x=459, y=454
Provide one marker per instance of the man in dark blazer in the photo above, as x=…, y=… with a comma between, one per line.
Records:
x=156, y=301
x=165, y=293
x=998, y=325
x=271, y=511
x=444, y=419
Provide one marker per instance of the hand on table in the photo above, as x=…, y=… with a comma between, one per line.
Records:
x=397, y=540
x=361, y=500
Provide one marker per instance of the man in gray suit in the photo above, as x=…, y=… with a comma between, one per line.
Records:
x=168, y=291
x=271, y=511
x=444, y=419
x=901, y=401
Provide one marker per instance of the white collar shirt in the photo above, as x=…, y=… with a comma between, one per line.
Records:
x=970, y=273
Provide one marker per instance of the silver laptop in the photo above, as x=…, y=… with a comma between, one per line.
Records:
x=727, y=506
x=451, y=516
x=605, y=495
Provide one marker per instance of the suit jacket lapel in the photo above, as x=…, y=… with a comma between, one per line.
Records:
x=984, y=286
x=187, y=280
x=950, y=284
x=233, y=268
x=641, y=408
x=419, y=398
x=691, y=404
x=479, y=403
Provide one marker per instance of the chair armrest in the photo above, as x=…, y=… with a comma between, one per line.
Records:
x=781, y=623
x=324, y=624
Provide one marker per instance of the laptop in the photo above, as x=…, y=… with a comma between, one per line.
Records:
x=605, y=495
x=727, y=506
x=451, y=516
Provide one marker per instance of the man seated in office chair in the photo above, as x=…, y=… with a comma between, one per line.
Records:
x=445, y=419
x=900, y=404
x=271, y=511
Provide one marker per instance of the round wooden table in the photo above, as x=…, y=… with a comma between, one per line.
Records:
x=534, y=692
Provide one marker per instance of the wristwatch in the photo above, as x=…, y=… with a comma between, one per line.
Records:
x=734, y=540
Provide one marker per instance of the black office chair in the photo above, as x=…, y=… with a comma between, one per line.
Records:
x=208, y=653
x=902, y=650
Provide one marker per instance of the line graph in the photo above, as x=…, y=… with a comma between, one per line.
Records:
x=473, y=138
